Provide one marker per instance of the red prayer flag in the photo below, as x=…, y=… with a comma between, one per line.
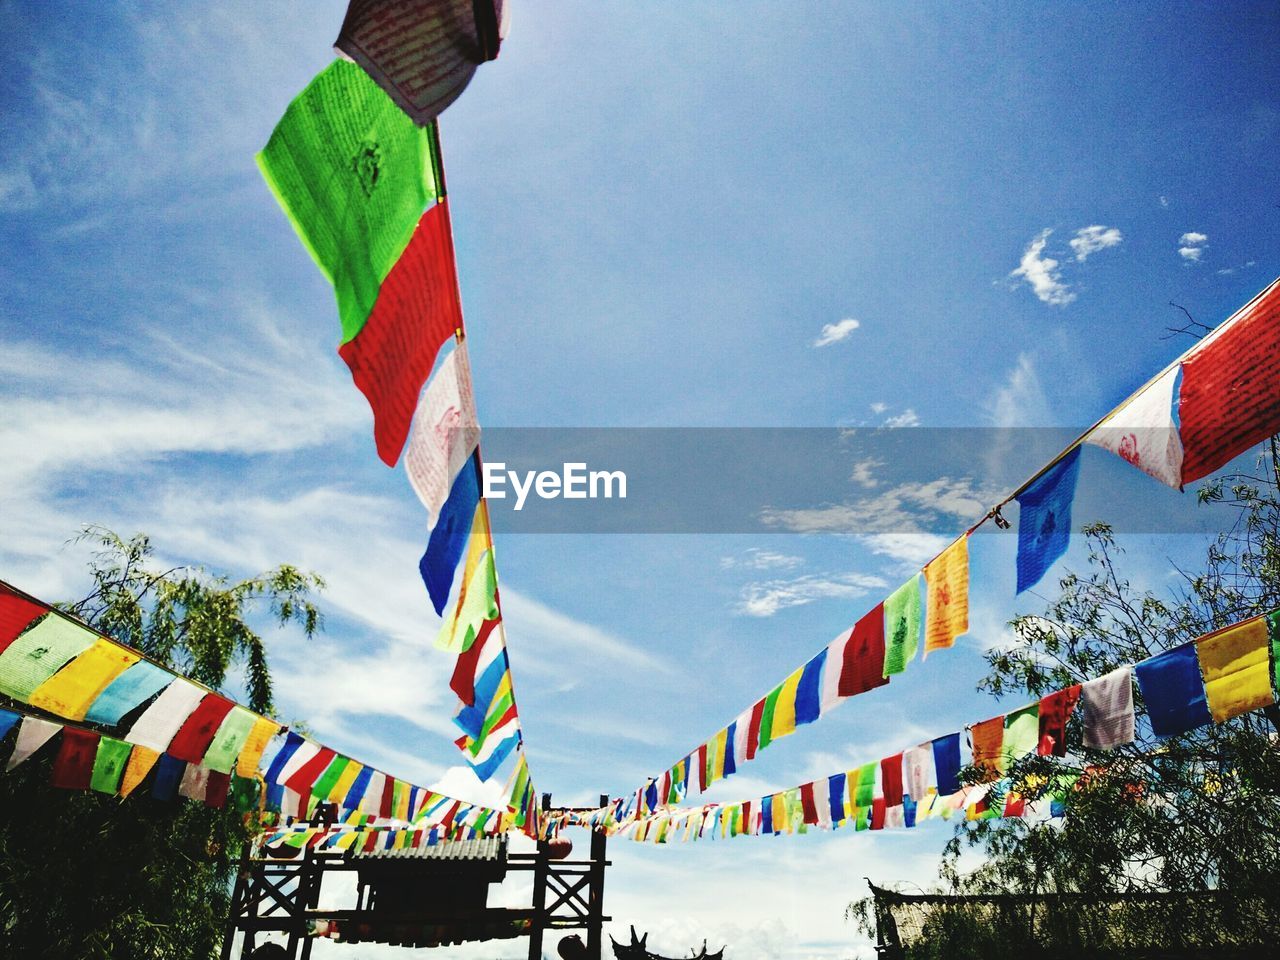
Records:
x=73, y=766
x=1230, y=394
x=416, y=311
x=877, y=813
x=215, y=791
x=891, y=780
x=1054, y=711
x=702, y=768
x=306, y=775
x=196, y=733
x=16, y=614
x=463, y=681
x=753, y=729
x=863, y=667
x=809, y=804
x=388, y=809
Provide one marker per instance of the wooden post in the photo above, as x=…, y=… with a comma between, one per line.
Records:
x=595, y=891
x=538, y=923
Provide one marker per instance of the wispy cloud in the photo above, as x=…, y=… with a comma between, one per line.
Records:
x=768, y=598
x=1042, y=274
x=760, y=559
x=1228, y=271
x=863, y=473
x=835, y=332
x=907, y=418
x=1089, y=240
x=1192, y=245
x=1019, y=401
x=912, y=507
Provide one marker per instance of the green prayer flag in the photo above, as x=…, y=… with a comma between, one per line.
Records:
x=766, y=718
x=229, y=740
x=39, y=653
x=108, y=765
x=901, y=626
x=1021, y=734
x=866, y=789
x=496, y=712
x=354, y=175
x=322, y=787
x=244, y=794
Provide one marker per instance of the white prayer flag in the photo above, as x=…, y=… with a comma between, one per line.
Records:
x=1143, y=431
x=444, y=434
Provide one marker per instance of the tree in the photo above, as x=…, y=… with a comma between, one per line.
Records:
x=1189, y=813
x=84, y=875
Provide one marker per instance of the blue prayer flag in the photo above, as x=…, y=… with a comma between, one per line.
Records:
x=1173, y=691
x=766, y=814
x=946, y=763
x=8, y=720
x=1044, y=520
x=449, y=536
x=809, y=692
x=169, y=771
x=138, y=684
x=835, y=797
x=358, y=786
x=291, y=744
x=651, y=795
x=908, y=811
x=486, y=768
x=730, y=764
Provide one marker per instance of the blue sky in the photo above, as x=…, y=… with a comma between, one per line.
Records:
x=658, y=209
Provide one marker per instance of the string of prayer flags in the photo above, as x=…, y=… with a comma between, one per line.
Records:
x=449, y=536
x=1055, y=709
x=445, y=432
x=1229, y=398
x=1173, y=691
x=417, y=310
x=354, y=175
x=1044, y=521
x=1235, y=663
x=947, y=600
x=423, y=53
x=1108, y=710
x=902, y=626
x=1142, y=431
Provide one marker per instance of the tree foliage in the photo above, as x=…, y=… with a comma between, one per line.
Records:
x=85, y=875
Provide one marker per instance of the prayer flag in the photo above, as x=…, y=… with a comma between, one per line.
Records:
x=33, y=734
x=109, y=764
x=195, y=781
x=477, y=601
x=227, y=742
x=1044, y=521
x=16, y=614
x=167, y=713
x=809, y=805
x=891, y=780
x=138, y=684
x=767, y=724
x=1173, y=691
x=8, y=720
x=809, y=690
x=39, y=653
x=196, y=734
x=753, y=728
x=835, y=797
x=877, y=813
x=988, y=739
x=1230, y=394
x=1143, y=431
x=139, y=764
x=1055, y=710
x=416, y=311
x=70, y=691
x=1021, y=734
x=947, y=601
x=784, y=711
x=472, y=662
x=251, y=753
x=216, y=786
x=449, y=536
x=445, y=432
x=902, y=626
x=73, y=765
x=866, y=784
x=353, y=174
x=917, y=764
x=423, y=53
x=169, y=772
x=1108, y=710
x=832, y=671
x=730, y=748
x=864, y=655
x=741, y=734
x=1236, y=666
x=946, y=761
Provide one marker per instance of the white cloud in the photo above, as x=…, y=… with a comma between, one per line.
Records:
x=864, y=472
x=907, y=418
x=758, y=559
x=1042, y=273
x=835, y=332
x=767, y=598
x=1089, y=240
x=878, y=408
x=1164, y=202
x=911, y=507
x=1192, y=246
x=1228, y=271
x=1020, y=400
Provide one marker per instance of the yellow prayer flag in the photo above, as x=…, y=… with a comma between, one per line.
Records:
x=347, y=839
x=71, y=691
x=947, y=603
x=784, y=711
x=141, y=760
x=261, y=734
x=1236, y=666
x=345, y=779
x=715, y=756
x=779, y=813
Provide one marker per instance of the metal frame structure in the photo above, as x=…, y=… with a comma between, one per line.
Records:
x=283, y=896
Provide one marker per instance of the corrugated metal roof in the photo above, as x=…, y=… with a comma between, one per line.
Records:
x=484, y=848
